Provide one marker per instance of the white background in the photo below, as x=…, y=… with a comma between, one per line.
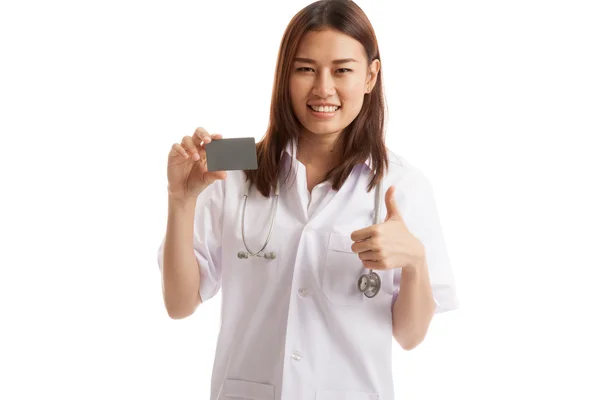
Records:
x=497, y=102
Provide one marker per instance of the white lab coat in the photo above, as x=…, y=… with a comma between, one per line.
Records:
x=297, y=328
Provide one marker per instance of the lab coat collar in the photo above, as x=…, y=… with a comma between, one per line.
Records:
x=291, y=149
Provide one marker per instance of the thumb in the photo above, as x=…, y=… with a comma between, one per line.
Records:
x=391, y=206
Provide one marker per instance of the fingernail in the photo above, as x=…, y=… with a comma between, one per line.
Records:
x=196, y=157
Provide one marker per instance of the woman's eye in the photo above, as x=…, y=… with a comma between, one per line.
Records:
x=308, y=69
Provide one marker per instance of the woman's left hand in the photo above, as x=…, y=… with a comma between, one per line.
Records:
x=388, y=245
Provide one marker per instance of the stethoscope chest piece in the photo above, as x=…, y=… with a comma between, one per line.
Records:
x=369, y=284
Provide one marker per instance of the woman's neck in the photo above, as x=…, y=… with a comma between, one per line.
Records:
x=318, y=151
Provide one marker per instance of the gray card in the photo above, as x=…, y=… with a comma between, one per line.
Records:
x=233, y=154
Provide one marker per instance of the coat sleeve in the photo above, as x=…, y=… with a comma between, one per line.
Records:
x=416, y=201
x=208, y=228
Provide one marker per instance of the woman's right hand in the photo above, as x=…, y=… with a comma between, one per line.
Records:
x=187, y=170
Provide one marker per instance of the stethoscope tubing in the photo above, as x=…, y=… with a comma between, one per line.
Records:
x=369, y=284
x=273, y=214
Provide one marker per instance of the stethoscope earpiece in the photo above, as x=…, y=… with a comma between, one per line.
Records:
x=244, y=255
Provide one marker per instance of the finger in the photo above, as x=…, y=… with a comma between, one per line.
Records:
x=188, y=144
x=210, y=177
x=364, y=233
x=364, y=245
x=369, y=255
x=201, y=133
x=201, y=137
x=178, y=150
x=390, y=204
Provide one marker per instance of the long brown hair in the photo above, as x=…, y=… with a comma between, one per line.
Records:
x=363, y=138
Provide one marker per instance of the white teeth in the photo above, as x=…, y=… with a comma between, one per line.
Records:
x=324, y=109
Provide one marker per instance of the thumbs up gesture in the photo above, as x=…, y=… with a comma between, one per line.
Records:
x=388, y=245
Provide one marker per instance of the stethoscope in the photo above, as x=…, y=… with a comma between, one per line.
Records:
x=369, y=284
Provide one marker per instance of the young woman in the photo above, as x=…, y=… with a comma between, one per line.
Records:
x=337, y=247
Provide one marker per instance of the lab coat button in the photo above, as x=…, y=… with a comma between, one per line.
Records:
x=296, y=356
x=303, y=292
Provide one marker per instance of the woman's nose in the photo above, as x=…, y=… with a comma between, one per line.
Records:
x=324, y=86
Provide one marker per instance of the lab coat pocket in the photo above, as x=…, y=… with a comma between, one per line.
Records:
x=246, y=390
x=345, y=395
x=342, y=270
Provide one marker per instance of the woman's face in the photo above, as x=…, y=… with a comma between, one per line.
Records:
x=330, y=76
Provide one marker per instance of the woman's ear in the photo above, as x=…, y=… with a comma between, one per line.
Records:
x=372, y=75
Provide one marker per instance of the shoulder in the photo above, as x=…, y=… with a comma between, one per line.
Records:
x=403, y=173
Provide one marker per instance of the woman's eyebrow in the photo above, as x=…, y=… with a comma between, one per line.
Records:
x=311, y=61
